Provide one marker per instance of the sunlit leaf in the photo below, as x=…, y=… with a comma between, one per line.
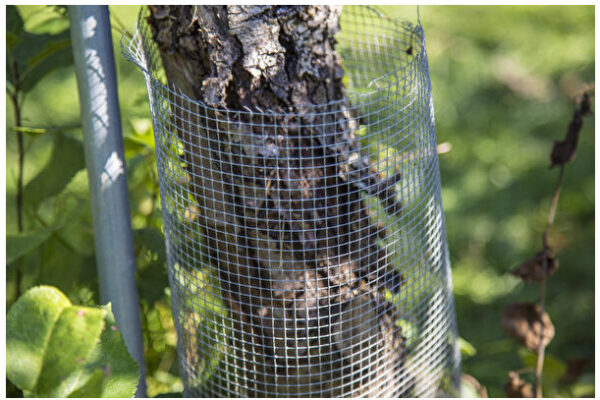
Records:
x=47, y=19
x=119, y=372
x=74, y=335
x=92, y=387
x=133, y=146
x=466, y=348
x=585, y=386
x=471, y=388
x=56, y=349
x=29, y=324
x=141, y=126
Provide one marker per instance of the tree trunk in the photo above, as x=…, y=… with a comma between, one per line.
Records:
x=280, y=197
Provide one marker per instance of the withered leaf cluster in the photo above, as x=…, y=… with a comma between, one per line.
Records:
x=563, y=151
x=517, y=387
x=523, y=321
x=527, y=322
x=533, y=269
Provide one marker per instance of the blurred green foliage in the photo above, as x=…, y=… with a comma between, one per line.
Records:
x=503, y=81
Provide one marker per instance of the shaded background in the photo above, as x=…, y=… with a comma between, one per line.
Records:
x=504, y=79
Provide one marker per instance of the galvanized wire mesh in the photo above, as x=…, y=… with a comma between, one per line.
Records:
x=277, y=293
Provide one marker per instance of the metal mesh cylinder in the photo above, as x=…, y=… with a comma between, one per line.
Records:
x=308, y=257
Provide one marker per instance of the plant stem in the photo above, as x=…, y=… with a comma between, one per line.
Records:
x=14, y=96
x=553, y=207
x=541, y=349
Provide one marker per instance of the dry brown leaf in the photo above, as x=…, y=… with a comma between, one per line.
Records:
x=563, y=151
x=523, y=322
x=517, y=387
x=532, y=270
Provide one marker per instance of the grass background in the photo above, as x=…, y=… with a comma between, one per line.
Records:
x=503, y=81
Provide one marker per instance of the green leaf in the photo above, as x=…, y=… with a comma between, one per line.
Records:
x=152, y=282
x=66, y=160
x=466, y=348
x=92, y=387
x=142, y=127
x=29, y=324
x=36, y=55
x=22, y=243
x=151, y=261
x=14, y=22
x=74, y=336
x=153, y=240
x=471, y=387
x=467, y=390
x=170, y=395
x=47, y=19
x=54, y=52
x=14, y=26
x=584, y=387
x=410, y=331
x=142, y=139
x=133, y=146
x=55, y=349
x=119, y=372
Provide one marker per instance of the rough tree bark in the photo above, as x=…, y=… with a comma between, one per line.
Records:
x=280, y=205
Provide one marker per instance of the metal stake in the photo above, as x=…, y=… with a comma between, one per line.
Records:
x=105, y=160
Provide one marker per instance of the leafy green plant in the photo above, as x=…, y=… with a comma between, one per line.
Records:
x=57, y=349
x=31, y=54
x=49, y=224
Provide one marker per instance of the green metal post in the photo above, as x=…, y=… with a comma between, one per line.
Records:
x=103, y=142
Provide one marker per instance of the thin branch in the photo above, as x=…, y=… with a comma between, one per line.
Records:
x=553, y=207
x=39, y=131
x=526, y=370
x=14, y=97
x=562, y=153
x=542, y=301
x=542, y=348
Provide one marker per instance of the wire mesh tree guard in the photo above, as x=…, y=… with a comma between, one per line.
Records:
x=307, y=252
